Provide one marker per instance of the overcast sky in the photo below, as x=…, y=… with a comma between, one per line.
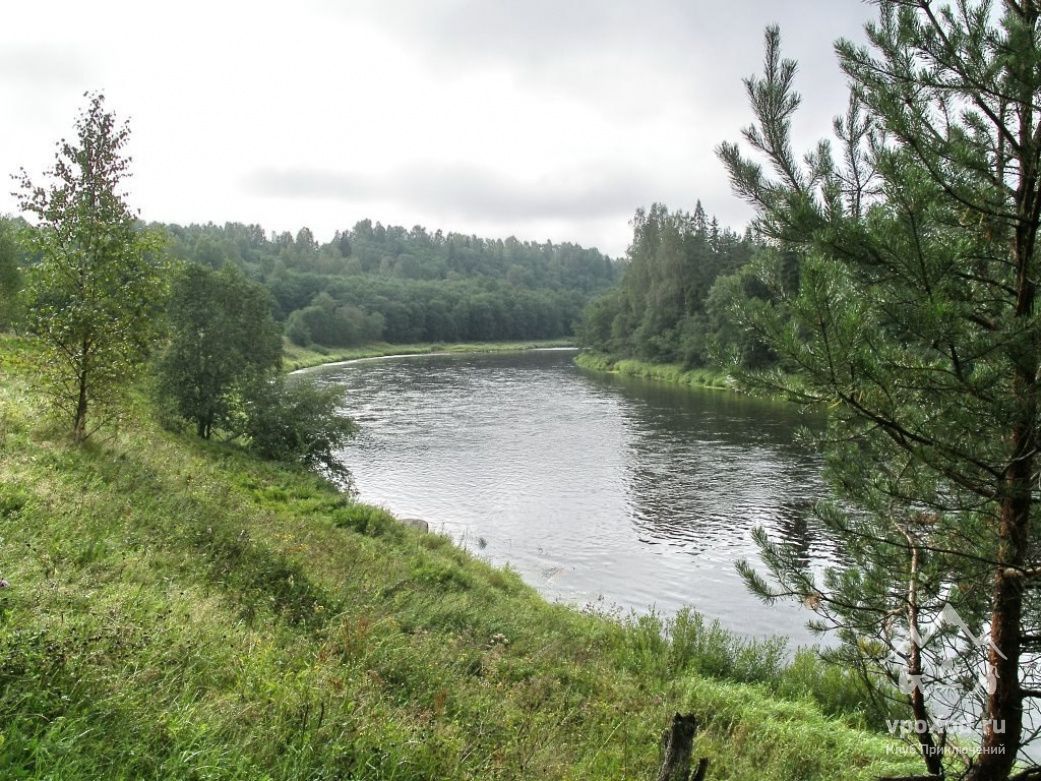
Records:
x=535, y=118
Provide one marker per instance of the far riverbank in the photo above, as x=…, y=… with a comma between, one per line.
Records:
x=295, y=357
x=672, y=373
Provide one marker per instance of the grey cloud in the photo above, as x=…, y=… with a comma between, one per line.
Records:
x=463, y=191
x=627, y=62
x=647, y=68
x=546, y=38
x=42, y=65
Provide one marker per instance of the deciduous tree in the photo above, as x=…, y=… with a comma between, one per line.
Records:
x=223, y=342
x=94, y=295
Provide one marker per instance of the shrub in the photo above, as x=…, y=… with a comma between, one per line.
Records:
x=298, y=422
x=297, y=330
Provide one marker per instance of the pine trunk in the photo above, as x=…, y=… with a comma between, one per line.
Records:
x=1002, y=736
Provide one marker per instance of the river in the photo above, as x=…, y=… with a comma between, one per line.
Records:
x=598, y=490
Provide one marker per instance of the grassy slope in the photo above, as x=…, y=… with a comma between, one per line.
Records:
x=660, y=372
x=180, y=610
x=296, y=357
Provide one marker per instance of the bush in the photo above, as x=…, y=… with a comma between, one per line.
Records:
x=297, y=330
x=298, y=422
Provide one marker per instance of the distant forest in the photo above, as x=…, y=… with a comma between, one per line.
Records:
x=679, y=300
x=387, y=283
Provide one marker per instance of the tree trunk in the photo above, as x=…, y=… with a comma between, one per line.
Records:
x=1003, y=730
x=931, y=754
x=79, y=422
x=1002, y=734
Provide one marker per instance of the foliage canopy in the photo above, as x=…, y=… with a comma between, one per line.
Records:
x=223, y=342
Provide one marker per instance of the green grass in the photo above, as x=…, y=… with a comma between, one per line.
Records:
x=672, y=373
x=296, y=357
x=180, y=610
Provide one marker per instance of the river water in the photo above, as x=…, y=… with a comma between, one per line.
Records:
x=598, y=490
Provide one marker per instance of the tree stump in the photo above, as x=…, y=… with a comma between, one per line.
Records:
x=677, y=743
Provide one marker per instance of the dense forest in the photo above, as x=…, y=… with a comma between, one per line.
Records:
x=676, y=302
x=386, y=283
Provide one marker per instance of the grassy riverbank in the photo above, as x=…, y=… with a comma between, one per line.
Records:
x=671, y=373
x=296, y=357
x=181, y=610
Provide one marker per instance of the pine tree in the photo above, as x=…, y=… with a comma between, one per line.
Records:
x=915, y=321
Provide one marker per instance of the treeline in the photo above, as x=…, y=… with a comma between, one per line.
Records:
x=677, y=299
x=386, y=283
x=367, y=309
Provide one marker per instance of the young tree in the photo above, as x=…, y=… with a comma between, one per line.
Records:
x=223, y=341
x=915, y=320
x=94, y=295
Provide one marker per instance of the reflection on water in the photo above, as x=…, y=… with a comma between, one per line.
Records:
x=595, y=489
